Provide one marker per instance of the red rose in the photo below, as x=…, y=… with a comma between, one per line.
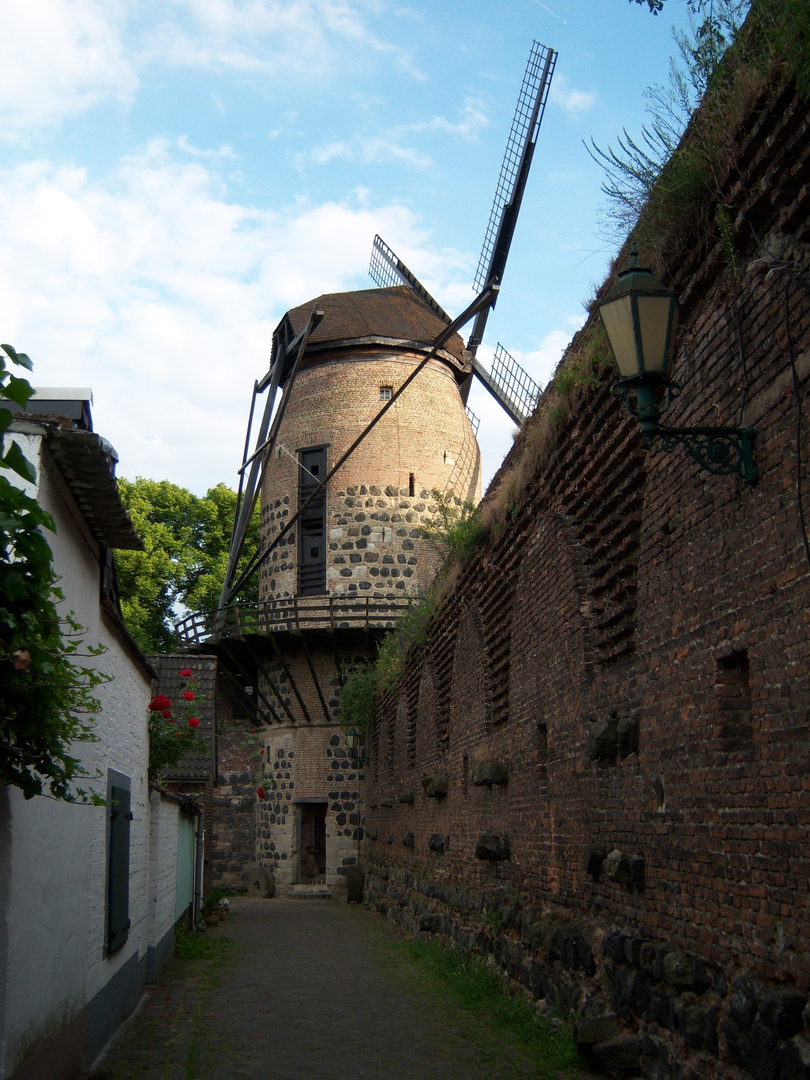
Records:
x=159, y=703
x=193, y=722
x=167, y=714
x=261, y=751
x=187, y=694
x=260, y=792
x=186, y=672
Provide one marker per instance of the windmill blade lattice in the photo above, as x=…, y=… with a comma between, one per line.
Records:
x=529, y=111
x=514, y=382
x=386, y=269
x=508, y=383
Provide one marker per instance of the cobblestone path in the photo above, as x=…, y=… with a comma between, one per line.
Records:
x=311, y=990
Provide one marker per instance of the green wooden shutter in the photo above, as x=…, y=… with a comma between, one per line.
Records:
x=312, y=526
x=118, y=868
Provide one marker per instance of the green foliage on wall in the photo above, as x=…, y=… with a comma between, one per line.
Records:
x=456, y=529
x=661, y=184
x=358, y=698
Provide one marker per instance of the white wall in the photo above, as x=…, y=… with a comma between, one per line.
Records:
x=53, y=855
x=162, y=867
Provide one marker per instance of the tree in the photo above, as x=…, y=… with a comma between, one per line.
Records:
x=658, y=5
x=187, y=539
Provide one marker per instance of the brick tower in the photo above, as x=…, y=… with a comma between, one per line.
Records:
x=343, y=573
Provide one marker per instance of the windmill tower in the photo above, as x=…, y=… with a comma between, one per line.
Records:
x=360, y=536
x=371, y=421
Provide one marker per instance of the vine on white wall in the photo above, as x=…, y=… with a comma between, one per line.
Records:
x=46, y=693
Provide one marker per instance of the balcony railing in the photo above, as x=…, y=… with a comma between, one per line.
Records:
x=293, y=616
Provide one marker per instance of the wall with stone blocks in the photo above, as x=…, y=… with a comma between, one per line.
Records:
x=382, y=494
x=597, y=769
x=232, y=822
x=309, y=765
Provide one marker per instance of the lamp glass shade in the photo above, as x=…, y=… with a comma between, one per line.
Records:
x=617, y=319
x=352, y=738
x=656, y=322
x=640, y=317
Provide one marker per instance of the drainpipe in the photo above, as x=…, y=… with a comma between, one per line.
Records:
x=199, y=859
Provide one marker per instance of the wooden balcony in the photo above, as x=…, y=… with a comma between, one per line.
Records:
x=292, y=616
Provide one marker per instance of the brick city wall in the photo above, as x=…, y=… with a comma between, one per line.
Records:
x=597, y=769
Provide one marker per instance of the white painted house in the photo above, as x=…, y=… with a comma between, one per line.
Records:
x=89, y=896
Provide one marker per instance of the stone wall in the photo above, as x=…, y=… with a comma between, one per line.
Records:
x=596, y=771
x=232, y=822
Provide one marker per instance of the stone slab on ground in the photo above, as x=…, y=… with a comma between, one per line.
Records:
x=311, y=991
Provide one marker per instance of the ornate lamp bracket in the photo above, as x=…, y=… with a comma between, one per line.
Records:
x=724, y=451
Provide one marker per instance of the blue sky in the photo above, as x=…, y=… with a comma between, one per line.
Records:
x=176, y=175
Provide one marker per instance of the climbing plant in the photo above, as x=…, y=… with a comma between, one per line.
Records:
x=358, y=698
x=46, y=693
x=456, y=529
x=667, y=184
x=173, y=729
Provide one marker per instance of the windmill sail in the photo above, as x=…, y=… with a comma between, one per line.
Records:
x=385, y=269
x=517, y=161
x=510, y=385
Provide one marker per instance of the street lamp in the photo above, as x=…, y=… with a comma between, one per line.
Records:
x=353, y=741
x=640, y=318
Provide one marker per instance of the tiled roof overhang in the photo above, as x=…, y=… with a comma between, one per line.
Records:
x=87, y=463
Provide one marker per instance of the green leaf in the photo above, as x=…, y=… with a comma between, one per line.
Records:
x=18, y=390
x=15, y=459
x=21, y=359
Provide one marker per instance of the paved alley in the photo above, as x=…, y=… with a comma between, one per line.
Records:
x=311, y=990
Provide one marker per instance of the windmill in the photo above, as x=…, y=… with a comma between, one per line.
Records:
x=511, y=386
x=346, y=468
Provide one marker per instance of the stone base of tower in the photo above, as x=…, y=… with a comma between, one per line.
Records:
x=310, y=823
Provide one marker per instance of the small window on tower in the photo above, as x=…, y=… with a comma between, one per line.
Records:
x=386, y=393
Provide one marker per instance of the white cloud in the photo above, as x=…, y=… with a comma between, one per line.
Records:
x=64, y=57
x=161, y=293
x=391, y=144
x=222, y=153
x=322, y=155
x=60, y=58
x=473, y=119
x=573, y=101
x=280, y=38
x=383, y=148
x=371, y=151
